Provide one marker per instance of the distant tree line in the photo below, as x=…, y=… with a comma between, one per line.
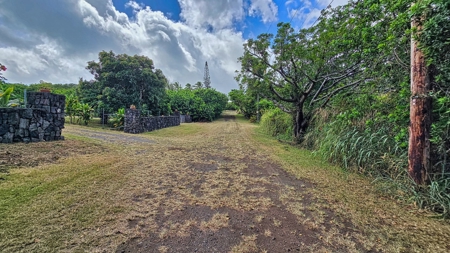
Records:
x=121, y=81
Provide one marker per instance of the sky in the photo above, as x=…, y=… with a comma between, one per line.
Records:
x=52, y=41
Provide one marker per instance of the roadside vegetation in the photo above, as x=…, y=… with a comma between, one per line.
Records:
x=345, y=83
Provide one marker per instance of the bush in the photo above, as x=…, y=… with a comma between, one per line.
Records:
x=202, y=104
x=118, y=118
x=231, y=106
x=277, y=123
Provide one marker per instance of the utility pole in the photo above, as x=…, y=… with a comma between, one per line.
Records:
x=206, y=78
x=420, y=113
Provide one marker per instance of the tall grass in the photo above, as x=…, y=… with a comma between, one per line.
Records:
x=277, y=123
x=372, y=150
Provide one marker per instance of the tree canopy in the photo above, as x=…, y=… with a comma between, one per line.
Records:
x=122, y=80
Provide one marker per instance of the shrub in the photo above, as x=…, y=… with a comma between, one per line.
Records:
x=118, y=118
x=277, y=123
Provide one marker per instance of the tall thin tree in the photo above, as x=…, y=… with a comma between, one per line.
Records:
x=206, y=78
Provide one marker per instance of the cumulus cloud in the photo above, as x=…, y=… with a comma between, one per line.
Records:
x=267, y=9
x=53, y=40
x=306, y=12
x=217, y=14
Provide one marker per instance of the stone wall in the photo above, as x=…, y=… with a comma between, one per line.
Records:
x=42, y=120
x=185, y=119
x=135, y=124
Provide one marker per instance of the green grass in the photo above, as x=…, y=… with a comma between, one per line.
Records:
x=399, y=227
x=181, y=130
x=39, y=205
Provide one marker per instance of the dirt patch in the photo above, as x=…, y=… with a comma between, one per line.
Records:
x=203, y=167
x=289, y=221
x=228, y=117
x=37, y=153
x=273, y=231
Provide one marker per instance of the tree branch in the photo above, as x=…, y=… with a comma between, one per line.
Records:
x=279, y=105
x=291, y=100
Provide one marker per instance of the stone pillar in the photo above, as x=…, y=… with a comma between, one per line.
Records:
x=52, y=123
x=132, y=122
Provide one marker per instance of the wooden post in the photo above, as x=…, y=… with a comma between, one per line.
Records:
x=420, y=115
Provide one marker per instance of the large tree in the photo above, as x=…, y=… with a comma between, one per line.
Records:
x=122, y=80
x=301, y=71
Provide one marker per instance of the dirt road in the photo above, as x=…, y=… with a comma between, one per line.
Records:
x=213, y=191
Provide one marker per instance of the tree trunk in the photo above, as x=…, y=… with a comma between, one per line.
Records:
x=420, y=116
x=300, y=123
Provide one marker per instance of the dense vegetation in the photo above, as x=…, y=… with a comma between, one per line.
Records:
x=201, y=104
x=121, y=81
x=345, y=83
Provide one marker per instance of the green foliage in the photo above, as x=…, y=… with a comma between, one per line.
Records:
x=231, y=106
x=122, y=80
x=118, y=118
x=84, y=113
x=5, y=96
x=62, y=89
x=277, y=123
x=302, y=71
x=201, y=104
x=72, y=106
x=435, y=37
x=245, y=102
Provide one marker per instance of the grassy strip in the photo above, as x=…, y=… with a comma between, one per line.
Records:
x=396, y=227
x=185, y=129
x=43, y=208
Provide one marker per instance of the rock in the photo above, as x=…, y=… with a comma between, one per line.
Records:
x=23, y=123
x=4, y=129
x=13, y=118
x=28, y=113
x=8, y=138
x=34, y=134
x=43, y=118
x=33, y=127
x=45, y=124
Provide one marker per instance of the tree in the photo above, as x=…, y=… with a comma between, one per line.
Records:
x=302, y=71
x=174, y=86
x=188, y=86
x=202, y=104
x=72, y=106
x=246, y=103
x=207, y=78
x=122, y=80
x=198, y=85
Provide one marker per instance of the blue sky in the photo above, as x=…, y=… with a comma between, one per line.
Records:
x=251, y=26
x=52, y=40
x=170, y=8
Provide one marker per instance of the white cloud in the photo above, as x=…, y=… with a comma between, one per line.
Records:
x=306, y=12
x=266, y=8
x=54, y=40
x=135, y=5
x=217, y=14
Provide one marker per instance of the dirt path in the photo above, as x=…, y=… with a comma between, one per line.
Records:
x=214, y=192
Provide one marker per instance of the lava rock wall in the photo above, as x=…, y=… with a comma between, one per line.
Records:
x=42, y=120
x=135, y=124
